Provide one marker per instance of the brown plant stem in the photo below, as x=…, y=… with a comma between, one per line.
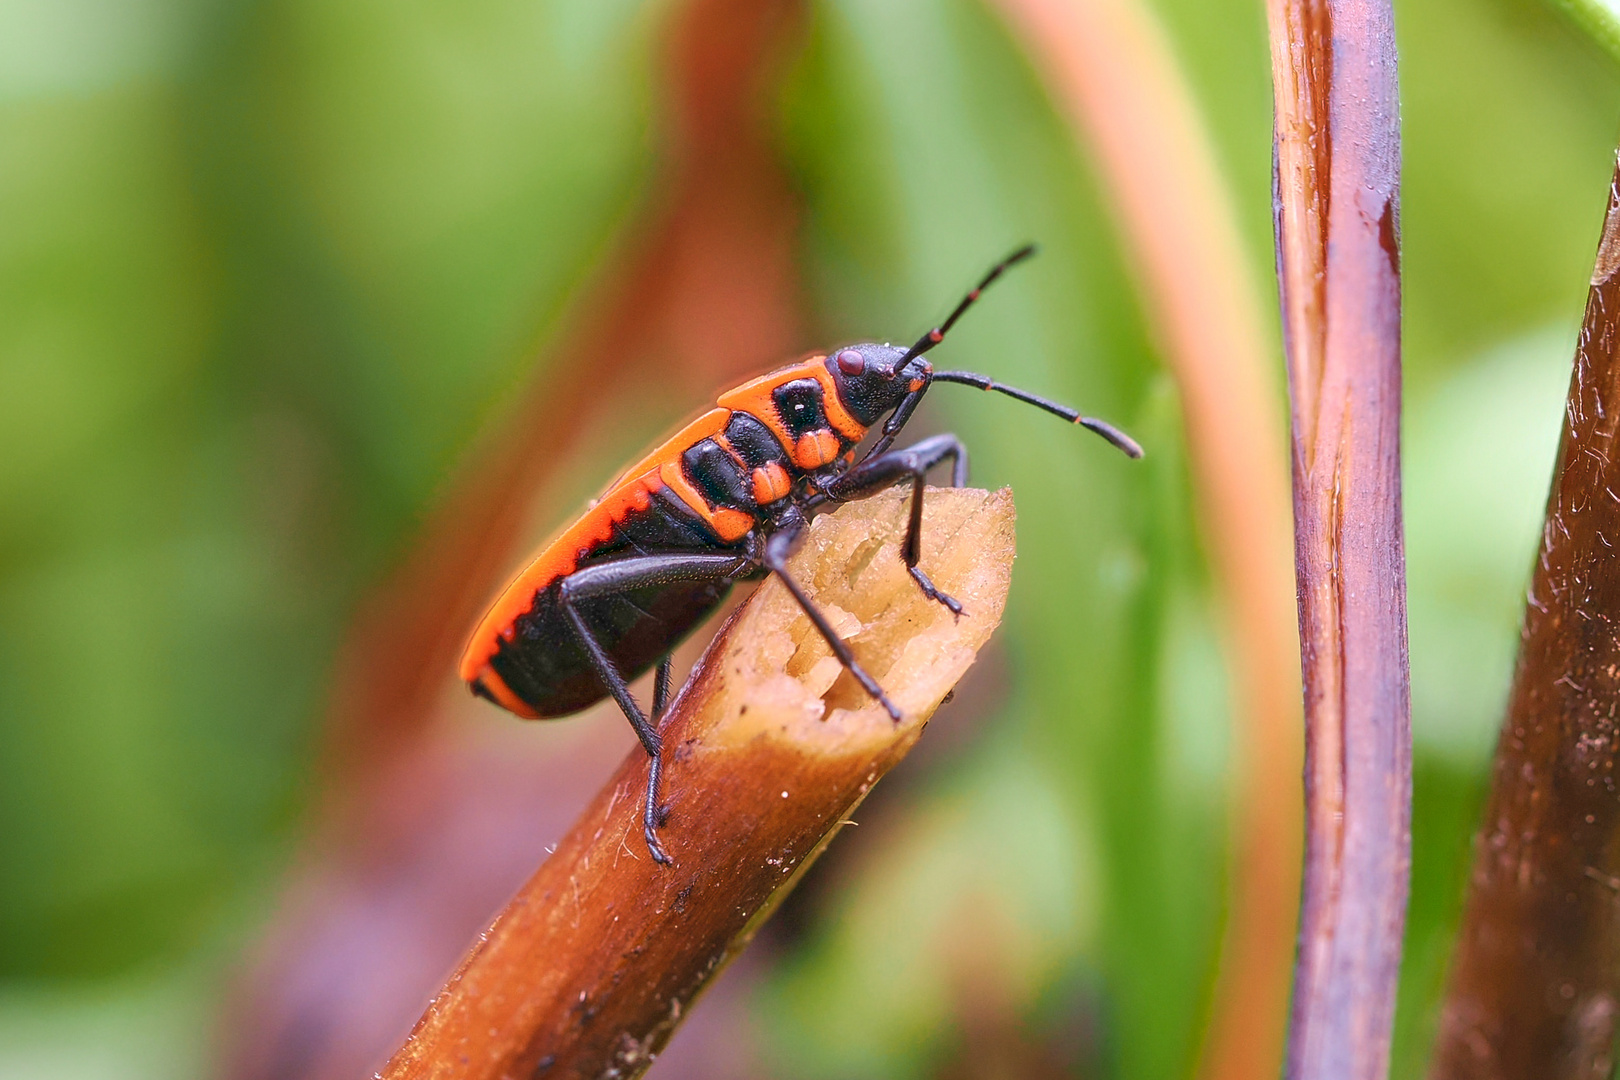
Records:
x=1337, y=182
x=589, y=969
x=1535, y=983
x=1112, y=69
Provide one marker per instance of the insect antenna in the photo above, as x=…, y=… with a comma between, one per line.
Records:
x=1118, y=438
x=1108, y=431
x=937, y=334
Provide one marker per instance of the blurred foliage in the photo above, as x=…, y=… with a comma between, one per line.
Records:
x=265, y=268
x=1600, y=19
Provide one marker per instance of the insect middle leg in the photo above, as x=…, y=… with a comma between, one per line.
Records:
x=894, y=467
x=621, y=576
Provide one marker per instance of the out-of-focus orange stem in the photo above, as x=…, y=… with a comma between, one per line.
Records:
x=1111, y=67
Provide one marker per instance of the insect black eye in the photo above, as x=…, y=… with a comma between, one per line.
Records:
x=851, y=362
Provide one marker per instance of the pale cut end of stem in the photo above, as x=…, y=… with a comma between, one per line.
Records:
x=770, y=746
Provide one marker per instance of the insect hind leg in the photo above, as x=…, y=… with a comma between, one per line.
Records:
x=777, y=550
x=619, y=576
x=653, y=815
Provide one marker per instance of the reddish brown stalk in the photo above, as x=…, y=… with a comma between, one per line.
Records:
x=1112, y=69
x=424, y=827
x=593, y=964
x=1337, y=212
x=1535, y=984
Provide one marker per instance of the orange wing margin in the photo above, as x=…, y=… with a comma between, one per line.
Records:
x=558, y=557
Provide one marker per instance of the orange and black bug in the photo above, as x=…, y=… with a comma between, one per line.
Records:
x=724, y=500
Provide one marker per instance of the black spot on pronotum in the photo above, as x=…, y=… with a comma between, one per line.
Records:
x=799, y=404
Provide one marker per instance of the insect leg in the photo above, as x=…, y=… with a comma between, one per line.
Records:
x=661, y=688
x=777, y=550
x=652, y=815
x=896, y=467
x=622, y=575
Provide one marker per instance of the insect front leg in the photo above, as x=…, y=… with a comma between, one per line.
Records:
x=777, y=549
x=897, y=467
x=621, y=576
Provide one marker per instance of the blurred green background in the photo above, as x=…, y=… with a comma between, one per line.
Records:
x=266, y=269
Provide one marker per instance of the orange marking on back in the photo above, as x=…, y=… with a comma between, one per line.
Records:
x=557, y=558
x=706, y=426
x=815, y=448
x=728, y=523
x=633, y=491
x=771, y=483
x=847, y=427
x=732, y=525
x=754, y=397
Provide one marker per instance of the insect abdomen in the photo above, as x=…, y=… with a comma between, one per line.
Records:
x=540, y=660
